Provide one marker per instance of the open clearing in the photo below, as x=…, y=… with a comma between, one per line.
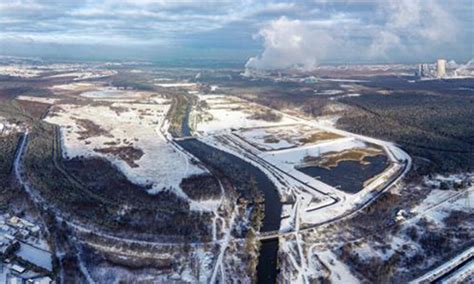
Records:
x=128, y=135
x=296, y=156
x=217, y=113
x=114, y=93
x=283, y=137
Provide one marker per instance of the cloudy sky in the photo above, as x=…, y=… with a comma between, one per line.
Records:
x=260, y=33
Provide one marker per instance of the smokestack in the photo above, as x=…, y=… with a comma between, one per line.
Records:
x=441, y=64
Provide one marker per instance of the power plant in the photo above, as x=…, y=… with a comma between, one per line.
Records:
x=441, y=68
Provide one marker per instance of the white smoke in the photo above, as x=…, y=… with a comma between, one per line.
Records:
x=291, y=43
x=465, y=69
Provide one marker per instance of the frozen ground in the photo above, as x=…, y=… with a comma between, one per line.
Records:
x=294, y=157
x=176, y=85
x=440, y=203
x=80, y=86
x=328, y=92
x=83, y=74
x=226, y=113
x=340, y=273
x=282, y=137
x=38, y=99
x=112, y=92
x=23, y=71
x=127, y=124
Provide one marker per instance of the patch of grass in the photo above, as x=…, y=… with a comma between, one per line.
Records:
x=266, y=115
x=319, y=136
x=181, y=104
x=270, y=139
x=36, y=110
x=91, y=129
x=332, y=159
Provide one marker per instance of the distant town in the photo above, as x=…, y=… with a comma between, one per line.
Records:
x=25, y=256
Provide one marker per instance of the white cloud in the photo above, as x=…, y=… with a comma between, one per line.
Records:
x=417, y=22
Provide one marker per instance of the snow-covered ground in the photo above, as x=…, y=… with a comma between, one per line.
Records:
x=261, y=137
x=129, y=124
x=345, y=96
x=74, y=86
x=81, y=74
x=23, y=71
x=294, y=157
x=281, y=137
x=38, y=99
x=466, y=271
x=340, y=273
x=176, y=85
x=226, y=113
x=311, y=255
x=440, y=203
x=328, y=92
x=111, y=92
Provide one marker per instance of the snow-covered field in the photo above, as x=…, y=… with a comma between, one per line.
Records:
x=226, y=113
x=23, y=71
x=126, y=124
x=281, y=137
x=85, y=74
x=111, y=92
x=74, y=86
x=328, y=92
x=176, y=85
x=440, y=203
x=340, y=273
x=294, y=157
x=38, y=99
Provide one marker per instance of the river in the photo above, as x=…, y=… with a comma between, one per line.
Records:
x=268, y=256
x=235, y=168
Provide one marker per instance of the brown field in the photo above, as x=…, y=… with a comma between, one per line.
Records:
x=266, y=115
x=332, y=159
x=34, y=109
x=319, y=136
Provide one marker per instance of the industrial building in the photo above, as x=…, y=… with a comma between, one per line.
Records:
x=430, y=71
x=441, y=68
